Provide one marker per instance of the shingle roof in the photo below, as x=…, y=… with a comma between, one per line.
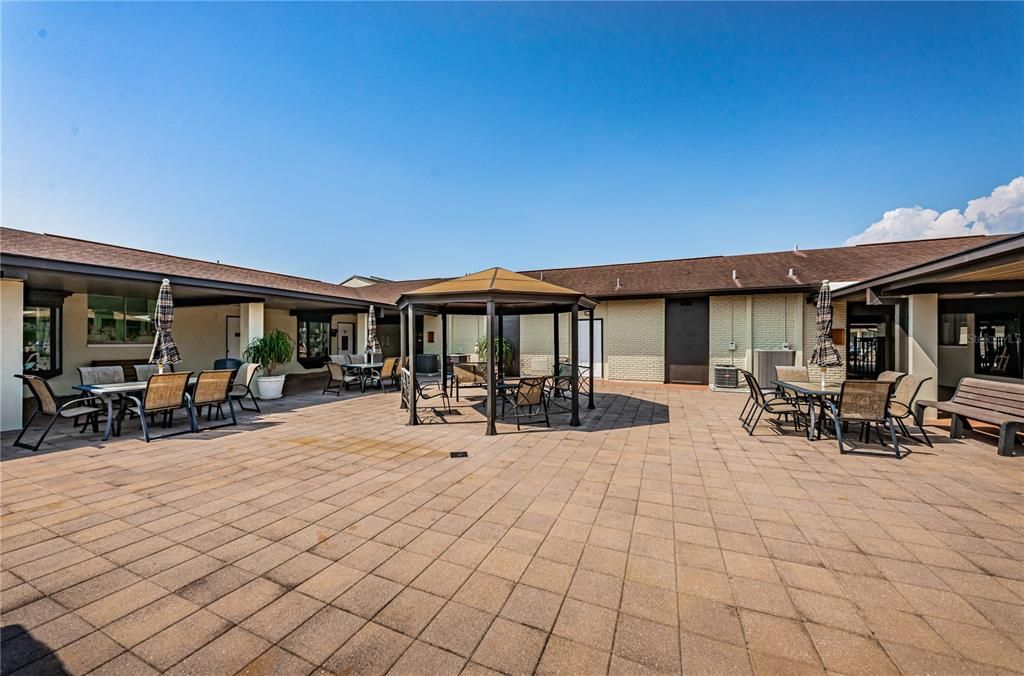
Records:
x=713, y=274
x=67, y=249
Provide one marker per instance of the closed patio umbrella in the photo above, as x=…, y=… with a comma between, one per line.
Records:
x=825, y=353
x=164, y=350
x=372, y=342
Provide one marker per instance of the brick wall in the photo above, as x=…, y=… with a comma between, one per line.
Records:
x=634, y=340
x=774, y=320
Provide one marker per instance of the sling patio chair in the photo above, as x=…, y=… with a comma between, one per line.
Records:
x=528, y=399
x=385, y=372
x=338, y=378
x=902, y=405
x=165, y=393
x=791, y=374
x=100, y=375
x=144, y=371
x=213, y=390
x=46, y=405
x=864, y=403
x=425, y=391
x=759, y=405
x=241, y=386
x=893, y=377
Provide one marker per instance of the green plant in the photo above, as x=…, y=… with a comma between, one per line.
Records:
x=270, y=351
x=502, y=351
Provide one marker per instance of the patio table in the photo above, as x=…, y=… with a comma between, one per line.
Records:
x=816, y=395
x=363, y=370
x=111, y=391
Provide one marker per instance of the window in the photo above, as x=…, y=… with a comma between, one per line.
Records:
x=41, y=333
x=120, y=320
x=41, y=338
x=953, y=329
x=314, y=342
x=997, y=345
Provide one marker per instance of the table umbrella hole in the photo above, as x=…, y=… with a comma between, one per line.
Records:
x=459, y=454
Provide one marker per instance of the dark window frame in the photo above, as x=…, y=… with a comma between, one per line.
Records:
x=53, y=301
x=302, y=332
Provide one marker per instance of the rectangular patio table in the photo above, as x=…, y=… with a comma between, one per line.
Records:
x=814, y=393
x=363, y=369
x=111, y=391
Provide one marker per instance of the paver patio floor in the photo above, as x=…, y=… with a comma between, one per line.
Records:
x=326, y=536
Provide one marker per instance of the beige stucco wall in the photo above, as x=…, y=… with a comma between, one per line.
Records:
x=11, y=353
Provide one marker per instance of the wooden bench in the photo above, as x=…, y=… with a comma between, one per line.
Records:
x=988, y=401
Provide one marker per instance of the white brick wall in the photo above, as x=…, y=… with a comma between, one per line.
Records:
x=634, y=340
x=773, y=323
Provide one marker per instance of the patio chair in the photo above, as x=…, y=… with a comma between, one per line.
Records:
x=341, y=358
x=213, y=390
x=338, y=378
x=530, y=395
x=99, y=375
x=890, y=377
x=468, y=374
x=165, y=393
x=902, y=405
x=425, y=391
x=241, y=386
x=792, y=374
x=227, y=363
x=386, y=372
x=144, y=371
x=759, y=405
x=46, y=405
x=864, y=403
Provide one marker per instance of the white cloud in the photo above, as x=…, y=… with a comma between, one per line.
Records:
x=1000, y=212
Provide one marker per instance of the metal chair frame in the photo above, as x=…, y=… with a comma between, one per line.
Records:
x=523, y=396
x=248, y=387
x=56, y=411
x=758, y=405
x=883, y=417
x=167, y=410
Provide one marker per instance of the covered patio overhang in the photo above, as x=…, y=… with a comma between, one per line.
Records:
x=493, y=293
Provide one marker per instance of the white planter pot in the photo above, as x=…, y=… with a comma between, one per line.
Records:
x=270, y=387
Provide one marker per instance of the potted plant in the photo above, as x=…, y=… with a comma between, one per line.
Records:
x=502, y=351
x=270, y=351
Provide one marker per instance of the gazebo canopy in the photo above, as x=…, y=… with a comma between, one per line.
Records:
x=469, y=294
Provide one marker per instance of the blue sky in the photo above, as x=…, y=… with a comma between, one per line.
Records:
x=410, y=140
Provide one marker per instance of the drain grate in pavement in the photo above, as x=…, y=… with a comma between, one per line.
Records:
x=459, y=454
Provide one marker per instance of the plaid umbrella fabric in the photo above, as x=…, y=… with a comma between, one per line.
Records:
x=164, y=350
x=825, y=353
x=372, y=342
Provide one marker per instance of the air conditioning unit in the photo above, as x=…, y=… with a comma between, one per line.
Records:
x=726, y=375
x=765, y=362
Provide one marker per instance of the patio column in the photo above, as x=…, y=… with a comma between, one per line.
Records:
x=250, y=322
x=411, y=338
x=590, y=392
x=491, y=389
x=12, y=303
x=555, y=367
x=401, y=352
x=574, y=356
x=923, y=343
x=444, y=351
x=501, y=342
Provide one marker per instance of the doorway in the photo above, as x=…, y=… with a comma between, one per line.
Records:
x=686, y=340
x=870, y=344
x=584, y=351
x=233, y=337
x=346, y=338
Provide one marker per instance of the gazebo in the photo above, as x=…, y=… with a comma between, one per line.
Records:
x=494, y=293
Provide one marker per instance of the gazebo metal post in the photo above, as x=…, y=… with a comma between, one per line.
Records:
x=444, y=351
x=411, y=324
x=590, y=390
x=402, y=352
x=491, y=389
x=555, y=374
x=574, y=355
x=501, y=341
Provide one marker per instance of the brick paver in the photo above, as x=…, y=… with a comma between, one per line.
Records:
x=326, y=536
